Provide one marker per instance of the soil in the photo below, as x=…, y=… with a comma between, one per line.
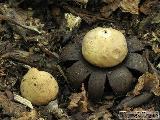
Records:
x=34, y=33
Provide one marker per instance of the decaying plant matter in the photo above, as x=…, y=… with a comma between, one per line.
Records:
x=48, y=35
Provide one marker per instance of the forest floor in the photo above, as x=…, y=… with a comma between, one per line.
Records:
x=34, y=33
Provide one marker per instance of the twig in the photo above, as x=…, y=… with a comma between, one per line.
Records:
x=153, y=69
x=85, y=15
x=2, y=17
x=45, y=50
x=61, y=71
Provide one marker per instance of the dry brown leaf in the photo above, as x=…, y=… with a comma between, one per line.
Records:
x=75, y=98
x=130, y=6
x=148, y=82
x=147, y=6
x=83, y=2
x=155, y=47
x=139, y=86
x=32, y=115
x=20, y=20
x=2, y=73
x=79, y=100
x=155, y=38
x=107, y=10
x=18, y=111
x=101, y=113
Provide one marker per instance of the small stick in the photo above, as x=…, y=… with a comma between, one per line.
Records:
x=2, y=17
x=45, y=50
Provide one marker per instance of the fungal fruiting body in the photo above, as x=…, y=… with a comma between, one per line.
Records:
x=104, y=47
x=39, y=87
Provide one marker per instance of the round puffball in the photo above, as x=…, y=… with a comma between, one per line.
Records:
x=104, y=47
x=39, y=87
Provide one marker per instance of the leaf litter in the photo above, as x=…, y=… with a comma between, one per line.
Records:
x=25, y=39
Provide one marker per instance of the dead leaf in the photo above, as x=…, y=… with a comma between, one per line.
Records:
x=18, y=112
x=9, y=94
x=155, y=47
x=79, y=100
x=156, y=40
x=84, y=100
x=101, y=112
x=20, y=21
x=147, y=6
x=32, y=115
x=130, y=6
x=83, y=2
x=148, y=82
x=75, y=98
x=2, y=73
x=107, y=10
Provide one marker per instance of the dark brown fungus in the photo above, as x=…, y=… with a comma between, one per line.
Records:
x=136, y=62
x=135, y=101
x=134, y=45
x=120, y=77
x=120, y=80
x=77, y=73
x=70, y=52
x=96, y=85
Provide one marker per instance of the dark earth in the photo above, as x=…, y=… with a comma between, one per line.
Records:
x=39, y=33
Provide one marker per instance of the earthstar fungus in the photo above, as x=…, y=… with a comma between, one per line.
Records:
x=92, y=66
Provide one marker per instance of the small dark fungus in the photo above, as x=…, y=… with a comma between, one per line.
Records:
x=121, y=78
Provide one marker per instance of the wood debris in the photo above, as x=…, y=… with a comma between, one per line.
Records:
x=23, y=101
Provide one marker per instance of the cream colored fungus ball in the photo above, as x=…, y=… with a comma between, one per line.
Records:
x=39, y=87
x=104, y=47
